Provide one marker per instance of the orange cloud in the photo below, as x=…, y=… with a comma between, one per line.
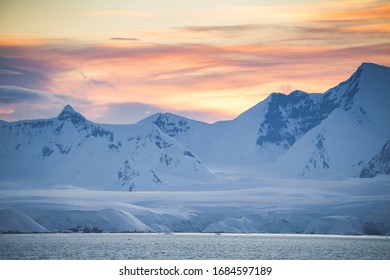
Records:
x=366, y=11
x=235, y=58
x=354, y=20
x=21, y=41
x=369, y=28
x=227, y=79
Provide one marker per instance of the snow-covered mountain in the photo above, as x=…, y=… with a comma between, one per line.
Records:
x=72, y=150
x=329, y=135
x=332, y=135
x=356, y=127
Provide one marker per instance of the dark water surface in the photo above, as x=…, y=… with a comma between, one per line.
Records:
x=124, y=246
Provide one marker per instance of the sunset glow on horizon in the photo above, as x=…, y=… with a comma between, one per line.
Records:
x=121, y=61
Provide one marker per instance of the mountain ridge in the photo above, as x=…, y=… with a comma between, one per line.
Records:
x=71, y=149
x=297, y=135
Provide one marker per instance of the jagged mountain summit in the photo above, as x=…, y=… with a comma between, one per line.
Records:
x=340, y=133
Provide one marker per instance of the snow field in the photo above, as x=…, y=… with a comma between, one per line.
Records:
x=354, y=206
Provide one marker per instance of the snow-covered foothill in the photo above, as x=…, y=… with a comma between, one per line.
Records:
x=260, y=206
x=335, y=225
x=12, y=220
x=107, y=220
x=232, y=225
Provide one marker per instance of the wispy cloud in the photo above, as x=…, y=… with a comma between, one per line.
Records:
x=100, y=83
x=13, y=95
x=126, y=113
x=26, y=72
x=124, y=39
x=223, y=28
x=356, y=22
x=226, y=78
x=96, y=82
x=9, y=72
x=17, y=103
x=132, y=112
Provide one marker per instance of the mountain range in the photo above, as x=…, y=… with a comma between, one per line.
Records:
x=341, y=133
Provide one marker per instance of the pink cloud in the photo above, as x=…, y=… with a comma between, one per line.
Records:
x=228, y=77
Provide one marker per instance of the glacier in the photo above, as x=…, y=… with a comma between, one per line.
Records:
x=296, y=163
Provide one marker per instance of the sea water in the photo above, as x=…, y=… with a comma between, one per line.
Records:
x=185, y=246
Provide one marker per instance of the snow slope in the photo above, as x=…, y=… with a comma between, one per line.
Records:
x=336, y=148
x=366, y=95
x=379, y=164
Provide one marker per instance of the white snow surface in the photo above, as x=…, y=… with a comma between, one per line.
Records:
x=242, y=205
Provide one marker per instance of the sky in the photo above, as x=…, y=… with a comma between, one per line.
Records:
x=120, y=61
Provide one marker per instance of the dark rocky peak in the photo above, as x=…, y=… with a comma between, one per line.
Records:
x=369, y=66
x=171, y=124
x=298, y=93
x=288, y=117
x=284, y=99
x=81, y=124
x=69, y=109
x=68, y=113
